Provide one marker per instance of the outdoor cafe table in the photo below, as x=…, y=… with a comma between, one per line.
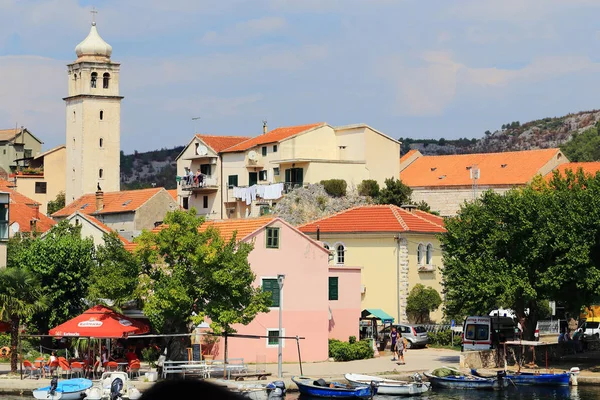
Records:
x=122, y=366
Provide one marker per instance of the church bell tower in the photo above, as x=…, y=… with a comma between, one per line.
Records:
x=93, y=124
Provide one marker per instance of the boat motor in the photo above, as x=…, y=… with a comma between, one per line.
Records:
x=417, y=378
x=276, y=389
x=53, y=385
x=573, y=378
x=115, y=389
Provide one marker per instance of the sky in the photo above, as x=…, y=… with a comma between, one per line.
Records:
x=409, y=68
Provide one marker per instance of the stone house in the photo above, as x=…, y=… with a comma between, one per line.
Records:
x=17, y=148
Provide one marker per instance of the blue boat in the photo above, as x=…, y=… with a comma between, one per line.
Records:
x=458, y=380
x=536, y=379
x=69, y=389
x=332, y=390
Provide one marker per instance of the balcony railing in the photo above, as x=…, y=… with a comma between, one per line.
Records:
x=206, y=182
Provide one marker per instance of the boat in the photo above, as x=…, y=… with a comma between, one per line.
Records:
x=114, y=385
x=255, y=391
x=321, y=388
x=535, y=378
x=68, y=389
x=450, y=378
x=391, y=386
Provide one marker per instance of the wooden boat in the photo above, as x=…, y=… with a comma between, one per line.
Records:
x=321, y=388
x=123, y=390
x=449, y=378
x=69, y=389
x=535, y=379
x=390, y=386
x=268, y=391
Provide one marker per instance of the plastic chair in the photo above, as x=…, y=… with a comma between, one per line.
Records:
x=30, y=368
x=134, y=368
x=77, y=369
x=96, y=369
x=64, y=366
x=111, y=366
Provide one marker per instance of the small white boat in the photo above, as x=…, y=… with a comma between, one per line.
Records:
x=255, y=391
x=69, y=389
x=113, y=386
x=391, y=386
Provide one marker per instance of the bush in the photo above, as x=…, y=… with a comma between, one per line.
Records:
x=347, y=351
x=441, y=338
x=335, y=187
x=150, y=355
x=368, y=187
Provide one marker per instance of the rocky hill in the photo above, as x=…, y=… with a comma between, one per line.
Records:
x=538, y=134
x=152, y=168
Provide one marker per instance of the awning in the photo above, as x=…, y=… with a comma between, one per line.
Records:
x=101, y=322
x=379, y=314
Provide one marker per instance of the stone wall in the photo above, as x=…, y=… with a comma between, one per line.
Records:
x=447, y=200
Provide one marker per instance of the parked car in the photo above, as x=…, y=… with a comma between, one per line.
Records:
x=416, y=335
x=591, y=329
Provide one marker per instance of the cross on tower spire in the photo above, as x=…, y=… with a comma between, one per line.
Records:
x=94, y=12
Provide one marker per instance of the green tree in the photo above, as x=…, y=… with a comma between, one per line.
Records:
x=20, y=296
x=584, y=146
x=394, y=192
x=62, y=260
x=56, y=204
x=421, y=301
x=537, y=243
x=185, y=271
x=368, y=187
x=116, y=274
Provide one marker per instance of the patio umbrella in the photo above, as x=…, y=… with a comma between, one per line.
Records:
x=100, y=322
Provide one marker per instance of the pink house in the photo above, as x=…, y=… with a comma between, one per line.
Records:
x=318, y=301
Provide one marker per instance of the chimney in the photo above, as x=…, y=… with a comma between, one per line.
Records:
x=99, y=200
x=265, y=128
x=318, y=233
x=409, y=207
x=36, y=207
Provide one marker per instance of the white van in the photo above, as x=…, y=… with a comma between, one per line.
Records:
x=479, y=332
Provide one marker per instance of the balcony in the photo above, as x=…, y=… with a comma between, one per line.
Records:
x=427, y=268
x=208, y=184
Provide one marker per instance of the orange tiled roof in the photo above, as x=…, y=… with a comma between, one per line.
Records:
x=114, y=202
x=509, y=168
x=102, y=226
x=173, y=193
x=376, y=218
x=243, y=226
x=407, y=155
x=15, y=197
x=220, y=143
x=273, y=136
x=24, y=214
x=588, y=168
x=9, y=134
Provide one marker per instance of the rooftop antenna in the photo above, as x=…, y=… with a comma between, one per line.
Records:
x=94, y=12
x=195, y=119
x=265, y=128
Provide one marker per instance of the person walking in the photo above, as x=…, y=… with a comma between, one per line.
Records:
x=400, y=348
x=394, y=336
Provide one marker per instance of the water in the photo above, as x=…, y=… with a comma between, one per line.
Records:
x=521, y=393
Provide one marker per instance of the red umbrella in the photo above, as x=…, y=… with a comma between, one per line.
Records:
x=5, y=326
x=101, y=322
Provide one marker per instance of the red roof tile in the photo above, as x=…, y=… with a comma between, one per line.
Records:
x=407, y=155
x=590, y=168
x=220, y=143
x=173, y=193
x=377, y=218
x=114, y=202
x=509, y=168
x=273, y=136
x=243, y=226
x=24, y=215
x=15, y=197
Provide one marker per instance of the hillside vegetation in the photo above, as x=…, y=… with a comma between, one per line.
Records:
x=152, y=168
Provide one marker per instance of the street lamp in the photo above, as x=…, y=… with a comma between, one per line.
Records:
x=280, y=279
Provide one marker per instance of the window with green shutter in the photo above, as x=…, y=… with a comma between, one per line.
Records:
x=272, y=238
x=273, y=337
x=232, y=181
x=271, y=285
x=333, y=288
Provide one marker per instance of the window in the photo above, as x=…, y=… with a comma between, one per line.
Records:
x=274, y=148
x=276, y=171
x=421, y=254
x=340, y=254
x=101, y=115
x=272, y=238
x=271, y=285
x=204, y=201
x=101, y=142
x=232, y=181
x=477, y=332
x=262, y=175
x=3, y=221
x=40, y=187
x=333, y=288
x=73, y=116
x=273, y=337
x=264, y=151
x=100, y=173
x=27, y=153
x=94, y=79
x=105, y=79
x=429, y=253
x=326, y=246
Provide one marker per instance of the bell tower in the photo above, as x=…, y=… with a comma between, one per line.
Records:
x=93, y=120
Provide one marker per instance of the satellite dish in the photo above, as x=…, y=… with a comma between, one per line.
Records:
x=201, y=150
x=253, y=156
x=15, y=227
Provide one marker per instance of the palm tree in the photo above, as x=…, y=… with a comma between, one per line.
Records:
x=20, y=296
